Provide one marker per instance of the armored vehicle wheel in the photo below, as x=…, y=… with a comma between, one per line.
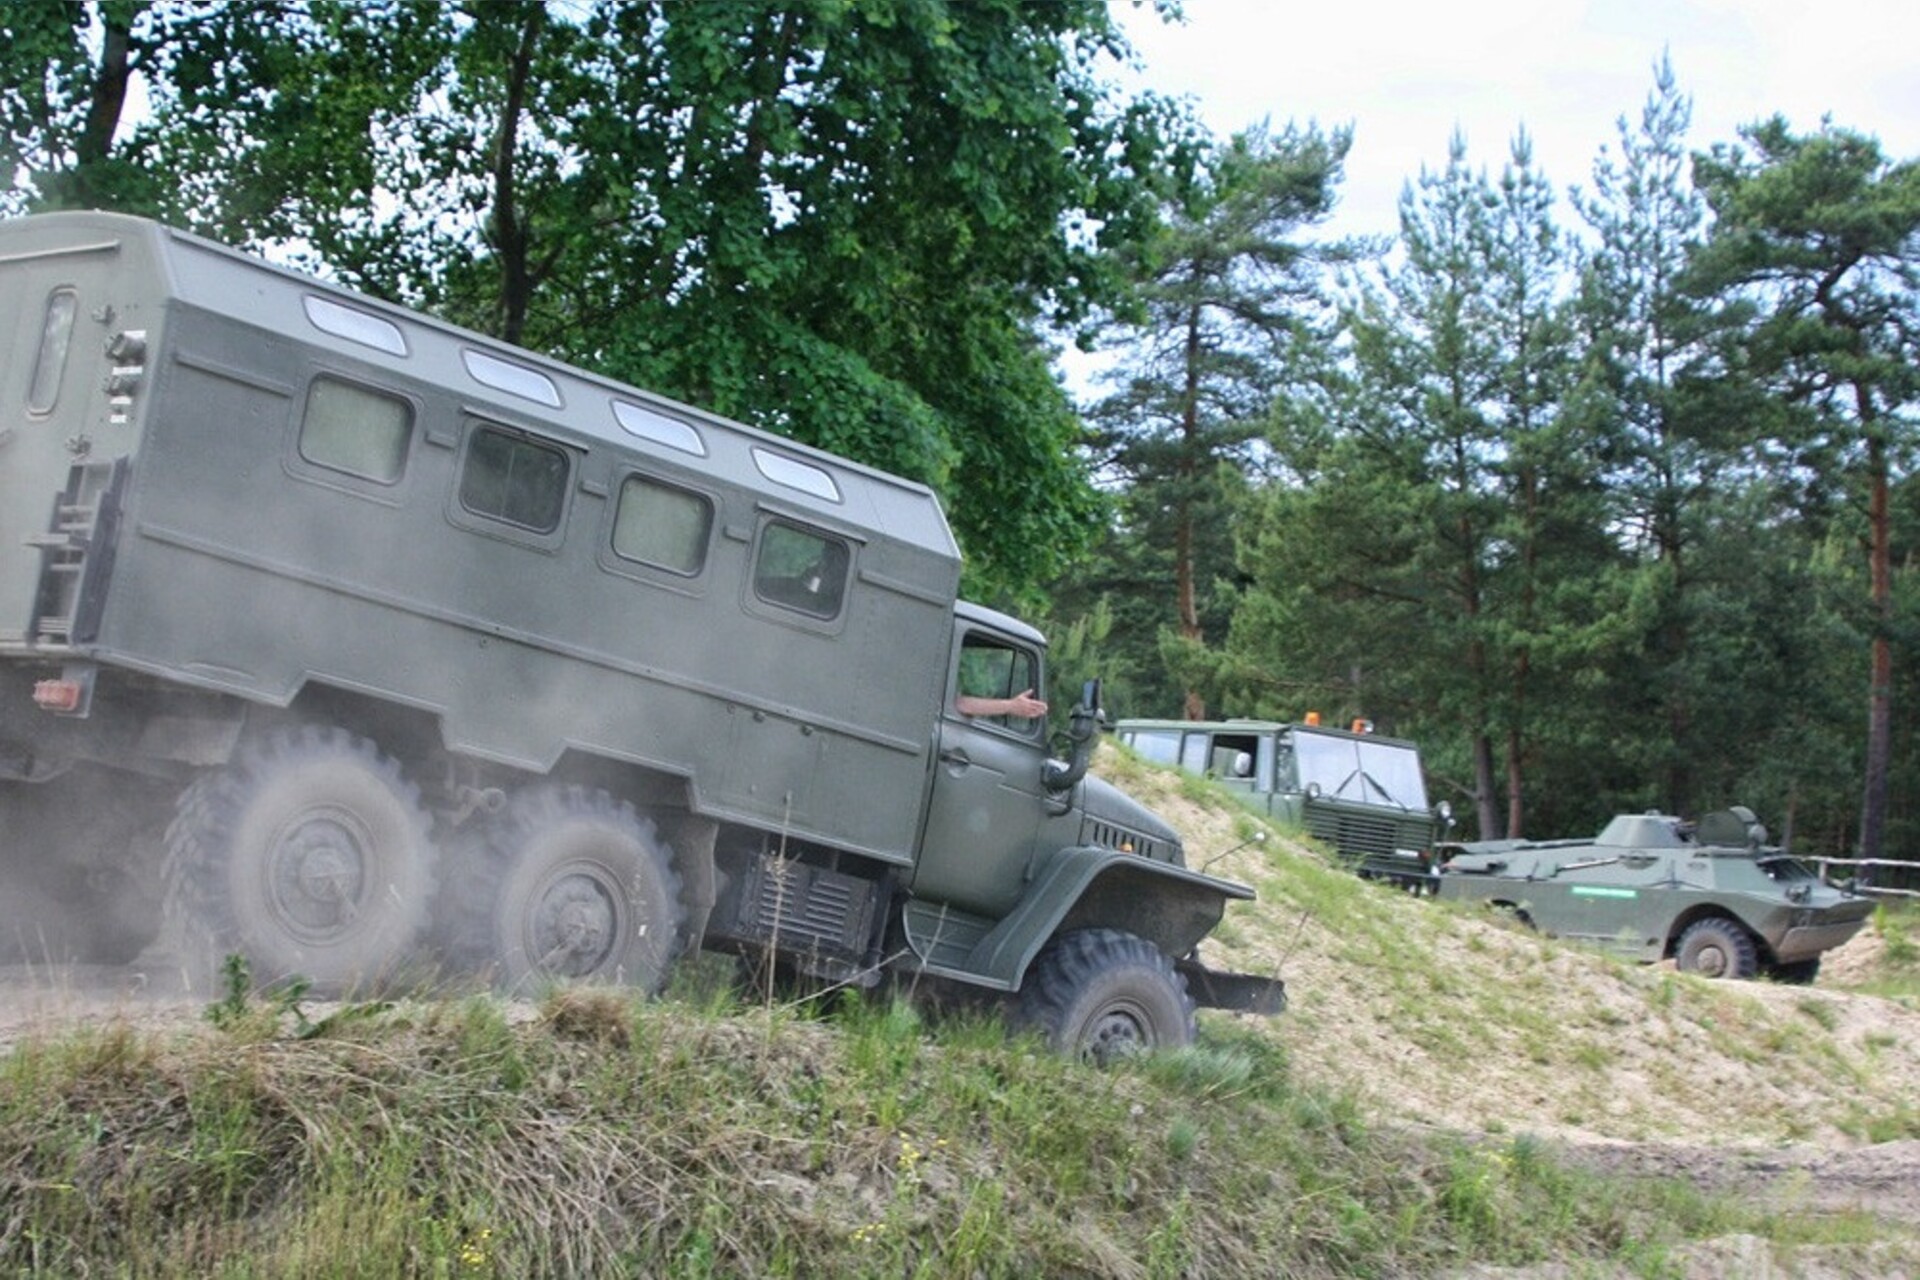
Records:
x=573, y=885
x=1717, y=948
x=1106, y=995
x=1514, y=912
x=309, y=855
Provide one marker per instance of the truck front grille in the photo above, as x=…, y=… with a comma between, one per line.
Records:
x=1354, y=835
x=1115, y=837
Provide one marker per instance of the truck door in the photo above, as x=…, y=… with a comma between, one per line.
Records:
x=71, y=320
x=987, y=798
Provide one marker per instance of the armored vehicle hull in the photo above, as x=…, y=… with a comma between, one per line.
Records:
x=1714, y=898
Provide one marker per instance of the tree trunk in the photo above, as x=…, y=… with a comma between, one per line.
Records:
x=1484, y=787
x=510, y=235
x=1873, y=801
x=1194, y=707
x=104, y=108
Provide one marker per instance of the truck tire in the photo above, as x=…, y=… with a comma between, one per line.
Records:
x=1103, y=995
x=571, y=885
x=1717, y=948
x=309, y=855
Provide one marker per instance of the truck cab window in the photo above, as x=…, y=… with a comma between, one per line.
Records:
x=1159, y=747
x=801, y=570
x=512, y=478
x=991, y=668
x=352, y=429
x=662, y=525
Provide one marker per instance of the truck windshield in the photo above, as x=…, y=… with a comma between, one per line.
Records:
x=1361, y=771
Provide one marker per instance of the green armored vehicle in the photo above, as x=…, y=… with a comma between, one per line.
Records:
x=421, y=648
x=1715, y=898
x=1363, y=794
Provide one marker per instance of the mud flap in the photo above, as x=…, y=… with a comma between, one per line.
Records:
x=1236, y=992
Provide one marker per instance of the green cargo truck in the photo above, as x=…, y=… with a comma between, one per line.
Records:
x=1363, y=794
x=418, y=646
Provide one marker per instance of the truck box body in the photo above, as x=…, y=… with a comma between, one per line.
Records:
x=235, y=543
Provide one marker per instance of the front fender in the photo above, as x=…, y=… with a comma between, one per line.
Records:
x=1092, y=886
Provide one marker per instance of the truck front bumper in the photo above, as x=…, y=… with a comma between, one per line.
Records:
x=1237, y=992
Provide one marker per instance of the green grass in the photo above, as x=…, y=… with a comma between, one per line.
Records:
x=689, y=1137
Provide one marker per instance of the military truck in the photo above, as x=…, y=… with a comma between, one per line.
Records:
x=1364, y=794
x=1713, y=896
x=419, y=646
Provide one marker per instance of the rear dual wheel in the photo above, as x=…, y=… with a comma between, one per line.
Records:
x=309, y=855
x=568, y=885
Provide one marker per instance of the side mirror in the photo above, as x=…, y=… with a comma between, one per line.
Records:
x=1083, y=727
x=1090, y=699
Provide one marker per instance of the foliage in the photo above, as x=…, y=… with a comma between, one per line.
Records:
x=1584, y=512
x=1223, y=293
x=1575, y=515
x=843, y=221
x=1814, y=258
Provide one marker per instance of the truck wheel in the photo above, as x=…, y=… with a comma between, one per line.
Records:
x=573, y=885
x=309, y=855
x=1105, y=995
x=1717, y=948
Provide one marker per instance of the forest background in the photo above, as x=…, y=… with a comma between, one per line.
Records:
x=1604, y=495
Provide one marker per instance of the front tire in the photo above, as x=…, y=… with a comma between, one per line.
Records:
x=1717, y=948
x=571, y=885
x=1103, y=995
x=309, y=856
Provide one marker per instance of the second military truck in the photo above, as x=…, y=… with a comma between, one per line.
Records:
x=1364, y=794
x=419, y=646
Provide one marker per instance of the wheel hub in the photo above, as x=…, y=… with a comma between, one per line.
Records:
x=319, y=874
x=1712, y=961
x=1116, y=1034
x=575, y=928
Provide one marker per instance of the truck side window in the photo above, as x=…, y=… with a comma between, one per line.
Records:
x=992, y=669
x=353, y=429
x=56, y=334
x=801, y=570
x=513, y=478
x=662, y=525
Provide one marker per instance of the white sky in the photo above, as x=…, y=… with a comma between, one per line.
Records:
x=1404, y=73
